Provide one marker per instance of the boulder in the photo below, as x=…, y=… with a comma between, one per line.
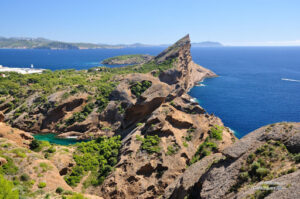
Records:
x=293, y=144
x=3, y=161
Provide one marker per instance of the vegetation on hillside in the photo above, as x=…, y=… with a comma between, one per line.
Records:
x=269, y=161
x=209, y=145
x=139, y=87
x=7, y=189
x=98, y=83
x=150, y=144
x=97, y=157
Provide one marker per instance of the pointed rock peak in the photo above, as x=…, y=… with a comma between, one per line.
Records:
x=184, y=44
x=183, y=41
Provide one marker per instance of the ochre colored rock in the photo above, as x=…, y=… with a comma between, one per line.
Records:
x=3, y=161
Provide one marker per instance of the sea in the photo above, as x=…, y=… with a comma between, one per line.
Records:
x=255, y=86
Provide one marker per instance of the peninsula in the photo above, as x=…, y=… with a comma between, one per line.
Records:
x=127, y=60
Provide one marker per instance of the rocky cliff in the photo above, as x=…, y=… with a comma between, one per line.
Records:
x=166, y=118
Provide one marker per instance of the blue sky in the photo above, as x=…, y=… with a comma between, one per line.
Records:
x=233, y=22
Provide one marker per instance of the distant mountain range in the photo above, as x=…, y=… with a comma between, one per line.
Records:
x=42, y=43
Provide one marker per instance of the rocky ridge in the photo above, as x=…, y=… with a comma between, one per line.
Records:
x=166, y=111
x=272, y=149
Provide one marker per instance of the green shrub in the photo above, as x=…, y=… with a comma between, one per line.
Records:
x=262, y=172
x=19, y=153
x=9, y=168
x=59, y=190
x=244, y=176
x=51, y=150
x=24, y=177
x=42, y=185
x=291, y=170
x=34, y=144
x=121, y=109
x=139, y=124
x=76, y=196
x=203, y=150
x=7, y=189
x=139, y=138
x=139, y=87
x=65, y=95
x=297, y=158
x=254, y=166
x=188, y=138
x=151, y=144
x=80, y=116
x=185, y=144
x=45, y=167
x=172, y=149
x=251, y=158
x=216, y=132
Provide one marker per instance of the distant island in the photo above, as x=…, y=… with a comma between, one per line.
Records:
x=127, y=59
x=207, y=44
x=42, y=43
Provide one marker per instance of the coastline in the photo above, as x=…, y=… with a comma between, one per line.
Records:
x=20, y=70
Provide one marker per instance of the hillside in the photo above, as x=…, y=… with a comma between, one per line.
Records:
x=41, y=43
x=144, y=135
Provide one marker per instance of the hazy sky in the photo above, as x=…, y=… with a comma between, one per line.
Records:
x=232, y=22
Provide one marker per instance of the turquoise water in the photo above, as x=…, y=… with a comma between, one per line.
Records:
x=50, y=137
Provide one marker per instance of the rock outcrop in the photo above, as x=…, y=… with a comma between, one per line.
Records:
x=186, y=73
x=3, y=161
x=20, y=137
x=270, y=149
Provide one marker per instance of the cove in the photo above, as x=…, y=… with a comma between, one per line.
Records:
x=51, y=137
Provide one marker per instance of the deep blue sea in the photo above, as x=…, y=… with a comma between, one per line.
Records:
x=256, y=85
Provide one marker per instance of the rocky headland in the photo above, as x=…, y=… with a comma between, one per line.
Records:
x=149, y=138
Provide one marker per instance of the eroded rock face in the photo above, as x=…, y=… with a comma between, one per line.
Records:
x=186, y=73
x=140, y=174
x=184, y=184
x=20, y=137
x=223, y=178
